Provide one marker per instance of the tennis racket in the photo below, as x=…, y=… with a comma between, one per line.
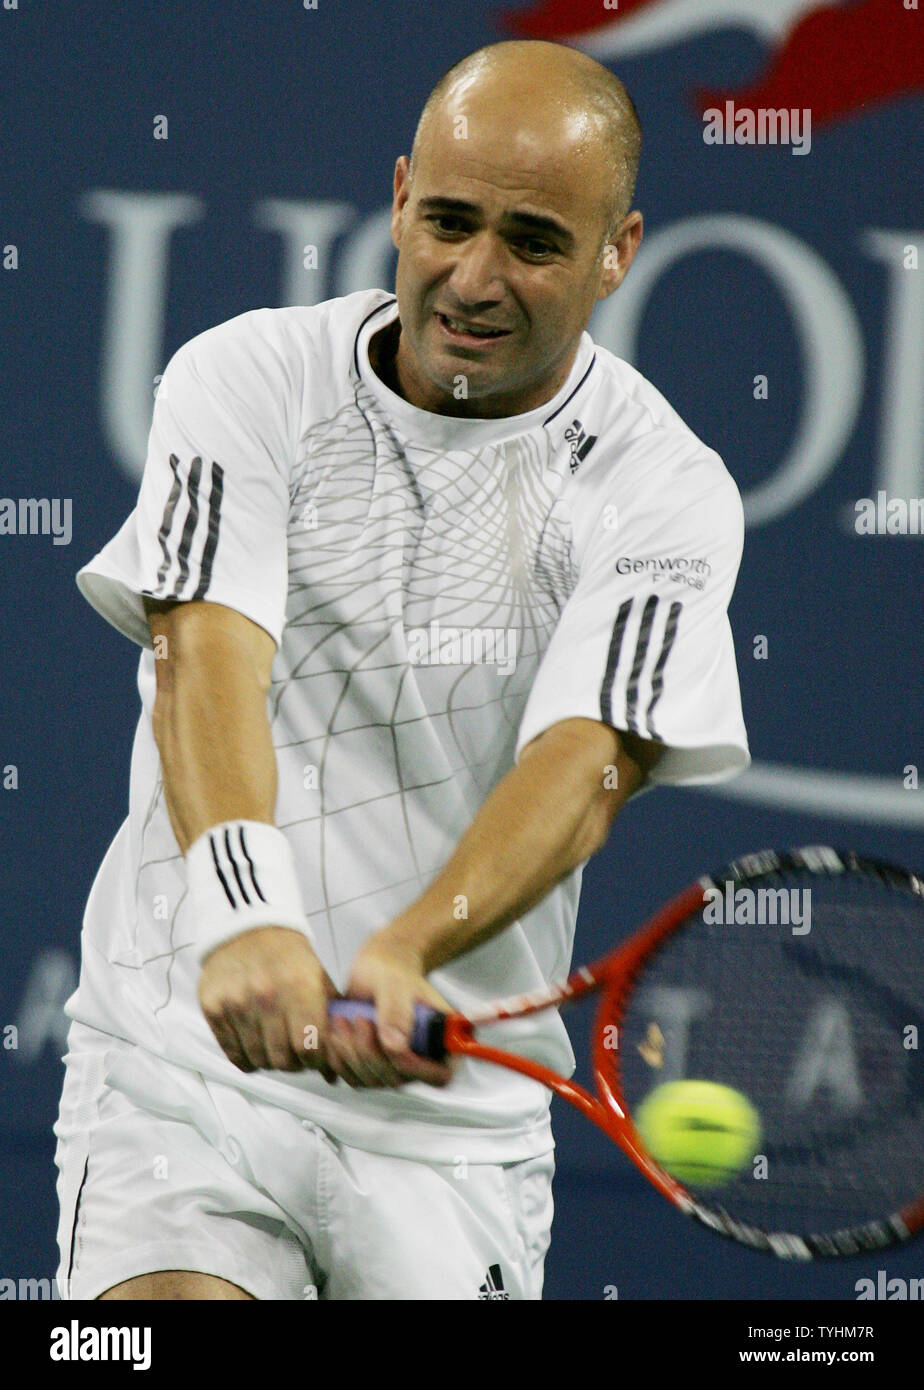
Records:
x=795, y=977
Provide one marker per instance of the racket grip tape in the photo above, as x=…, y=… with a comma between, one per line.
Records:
x=427, y=1038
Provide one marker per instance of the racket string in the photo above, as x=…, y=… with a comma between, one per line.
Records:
x=819, y=1021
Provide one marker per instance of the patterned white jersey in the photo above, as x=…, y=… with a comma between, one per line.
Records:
x=440, y=590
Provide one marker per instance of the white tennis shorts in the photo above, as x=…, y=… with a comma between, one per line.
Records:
x=159, y=1169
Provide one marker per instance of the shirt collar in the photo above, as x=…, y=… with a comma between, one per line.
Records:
x=446, y=432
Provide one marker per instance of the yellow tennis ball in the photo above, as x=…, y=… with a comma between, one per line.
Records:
x=703, y=1133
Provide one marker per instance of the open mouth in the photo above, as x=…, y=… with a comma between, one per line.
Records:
x=461, y=331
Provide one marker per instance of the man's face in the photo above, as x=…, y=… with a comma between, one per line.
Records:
x=501, y=229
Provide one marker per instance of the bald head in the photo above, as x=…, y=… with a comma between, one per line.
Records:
x=548, y=86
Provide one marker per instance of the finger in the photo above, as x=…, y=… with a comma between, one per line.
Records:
x=310, y=1048
x=296, y=992
x=277, y=1047
x=341, y=1067
x=241, y=1019
x=395, y=1016
x=227, y=1041
x=223, y=1033
x=353, y=1056
x=404, y=1063
x=338, y=1056
x=414, y=1068
x=306, y=1039
x=350, y=1047
x=369, y=1055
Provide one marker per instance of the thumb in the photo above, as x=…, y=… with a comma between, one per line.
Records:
x=395, y=1012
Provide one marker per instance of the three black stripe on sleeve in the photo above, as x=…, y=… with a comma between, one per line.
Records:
x=639, y=659
x=191, y=558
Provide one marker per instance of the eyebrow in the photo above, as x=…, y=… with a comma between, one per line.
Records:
x=529, y=221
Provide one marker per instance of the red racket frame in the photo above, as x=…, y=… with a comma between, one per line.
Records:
x=613, y=972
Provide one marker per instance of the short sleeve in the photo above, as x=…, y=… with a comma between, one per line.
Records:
x=211, y=517
x=643, y=642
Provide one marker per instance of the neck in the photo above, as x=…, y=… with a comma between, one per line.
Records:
x=383, y=359
x=383, y=351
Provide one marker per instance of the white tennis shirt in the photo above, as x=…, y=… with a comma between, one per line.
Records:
x=440, y=590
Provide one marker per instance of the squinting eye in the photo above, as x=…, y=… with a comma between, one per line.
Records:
x=533, y=246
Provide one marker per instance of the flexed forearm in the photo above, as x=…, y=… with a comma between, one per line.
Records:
x=545, y=817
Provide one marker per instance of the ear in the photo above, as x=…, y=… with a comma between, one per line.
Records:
x=619, y=253
x=401, y=193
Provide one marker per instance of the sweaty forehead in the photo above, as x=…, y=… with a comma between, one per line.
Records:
x=487, y=141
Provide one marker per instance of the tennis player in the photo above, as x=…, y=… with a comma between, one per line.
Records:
x=427, y=586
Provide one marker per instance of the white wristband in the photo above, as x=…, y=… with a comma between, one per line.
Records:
x=241, y=875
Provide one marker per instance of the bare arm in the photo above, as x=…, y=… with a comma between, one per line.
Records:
x=549, y=814
x=210, y=723
x=262, y=991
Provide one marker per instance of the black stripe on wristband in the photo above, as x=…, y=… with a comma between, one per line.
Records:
x=253, y=872
x=237, y=872
x=224, y=882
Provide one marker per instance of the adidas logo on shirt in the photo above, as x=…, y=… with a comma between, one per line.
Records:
x=581, y=443
x=493, y=1286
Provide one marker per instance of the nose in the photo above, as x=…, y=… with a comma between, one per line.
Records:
x=476, y=278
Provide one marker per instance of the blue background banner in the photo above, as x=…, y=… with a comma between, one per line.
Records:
x=162, y=169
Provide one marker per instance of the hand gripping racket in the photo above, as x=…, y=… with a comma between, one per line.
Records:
x=795, y=977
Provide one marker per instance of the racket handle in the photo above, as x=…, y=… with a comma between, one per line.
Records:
x=426, y=1035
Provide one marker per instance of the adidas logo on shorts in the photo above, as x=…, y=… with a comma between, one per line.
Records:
x=493, y=1286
